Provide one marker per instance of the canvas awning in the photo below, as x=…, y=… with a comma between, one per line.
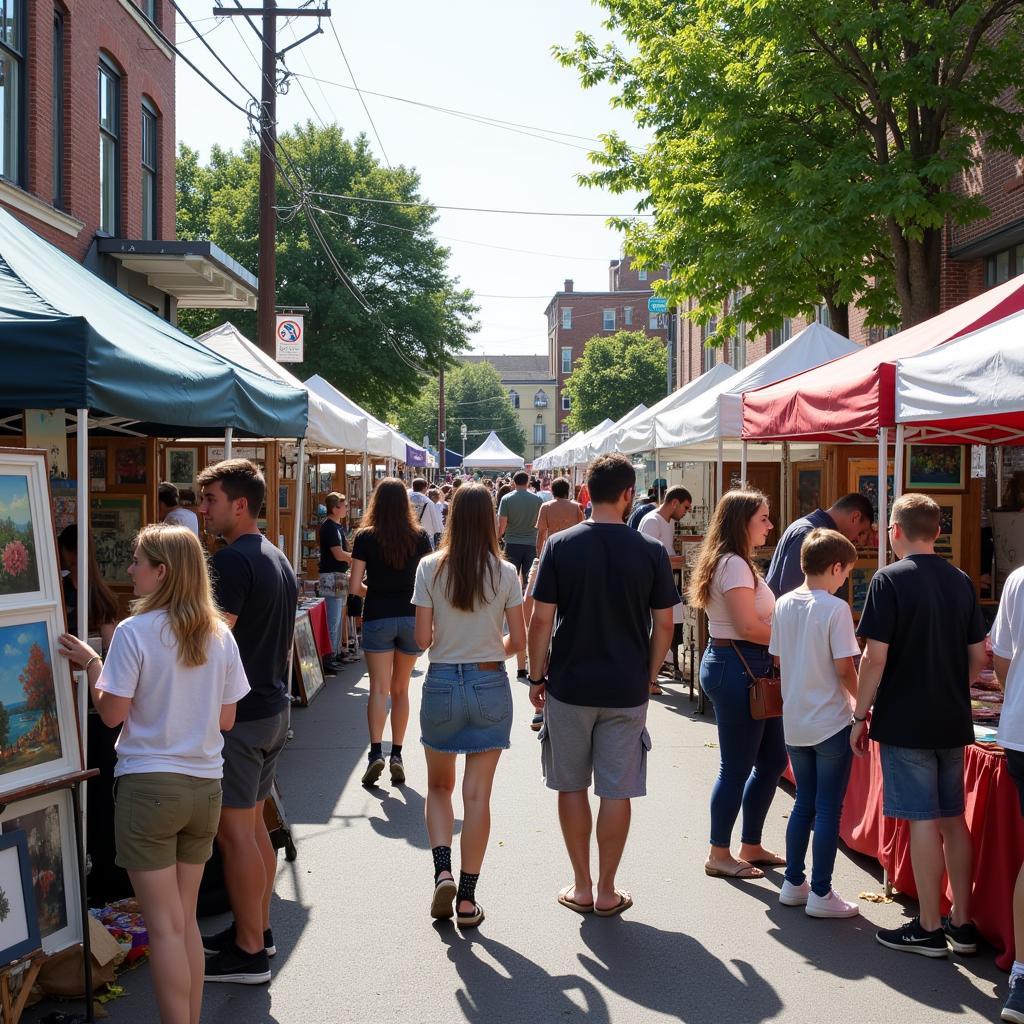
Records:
x=579, y=455
x=381, y=440
x=72, y=341
x=850, y=399
x=493, y=454
x=605, y=443
x=329, y=426
x=553, y=459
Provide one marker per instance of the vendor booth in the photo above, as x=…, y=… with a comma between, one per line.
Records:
x=493, y=454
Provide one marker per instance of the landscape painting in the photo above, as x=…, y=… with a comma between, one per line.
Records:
x=19, y=569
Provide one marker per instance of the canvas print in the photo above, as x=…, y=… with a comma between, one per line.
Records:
x=860, y=579
x=307, y=660
x=98, y=469
x=130, y=465
x=19, y=570
x=808, y=491
x=936, y=467
x=181, y=466
x=19, y=932
x=947, y=544
x=116, y=520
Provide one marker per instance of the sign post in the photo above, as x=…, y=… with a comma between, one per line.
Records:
x=289, y=334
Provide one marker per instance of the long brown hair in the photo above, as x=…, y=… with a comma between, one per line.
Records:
x=392, y=522
x=469, y=549
x=185, y=596
x=103, y=609
x=727, y=535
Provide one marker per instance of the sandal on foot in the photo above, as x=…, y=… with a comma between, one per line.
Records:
x=470, y=920
x=625, y=902
x=656, y=691
x=774, y=861
x=579, y=908
x=442, y=905
x=742, y=871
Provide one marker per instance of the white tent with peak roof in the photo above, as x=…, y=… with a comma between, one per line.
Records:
x=493, y=454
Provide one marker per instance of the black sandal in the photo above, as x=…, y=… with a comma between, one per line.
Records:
x=442, y=905
x=470, y=920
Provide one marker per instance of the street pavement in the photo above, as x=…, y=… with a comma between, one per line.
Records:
x=356, y=944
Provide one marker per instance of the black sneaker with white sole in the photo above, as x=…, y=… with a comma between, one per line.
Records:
x=962, y=937
x=537, y=721
x=912, y=938
x=236, y=967
x=226, y=939
x=374, y=770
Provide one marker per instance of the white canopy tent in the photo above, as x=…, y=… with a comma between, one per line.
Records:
x=579, y=454
x=605, y=442
x=554, y=458
x=381, y=440
x=493, y=454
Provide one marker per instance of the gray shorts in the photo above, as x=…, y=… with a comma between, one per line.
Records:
x=609, y=744
x=251, y=750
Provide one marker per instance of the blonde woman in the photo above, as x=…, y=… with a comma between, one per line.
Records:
x=172, y=676
x=739, y=605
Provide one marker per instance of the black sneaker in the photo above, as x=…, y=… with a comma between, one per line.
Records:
x=962, y=937
x=237, y=967
x=1013, y=1009
x=914, y=939
x=537, y=721
x=397, y=769
x=329, y=667
x=226, y=939
x=374, y=770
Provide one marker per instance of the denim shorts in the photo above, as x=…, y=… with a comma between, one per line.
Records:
x=466, y=710
x=383, y=635
x=920, y=784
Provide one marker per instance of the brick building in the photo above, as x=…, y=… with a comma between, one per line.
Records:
x=87, y=156
x=576, y=317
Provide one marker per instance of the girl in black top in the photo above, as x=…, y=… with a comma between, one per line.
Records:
x=385, y=554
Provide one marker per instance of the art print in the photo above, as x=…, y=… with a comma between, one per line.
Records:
x=182, y=466
x=307, y=666
x=19, y=568
x=98, y=469
x=807, y=489
x=936, y=467
x=130, y=465
x=864, y=480
x=116, y=521
x=19, y=927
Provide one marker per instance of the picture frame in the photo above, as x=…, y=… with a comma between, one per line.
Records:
x=97, y=469
x=182, y=466
x=306, y=666
x=130, y=464
x=115, y=521
x=948, y=542
x=808, y=483
x=19, y=917
x=860, y=579
x=28, y=547
x=936, y=467
x=286, y=496
x=47, y=821
x=862, y=477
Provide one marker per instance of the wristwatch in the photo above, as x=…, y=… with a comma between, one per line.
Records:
x=537, y=682
x=856, y=719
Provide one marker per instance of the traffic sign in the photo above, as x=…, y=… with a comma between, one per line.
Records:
x=289, y=333
x=657, y=305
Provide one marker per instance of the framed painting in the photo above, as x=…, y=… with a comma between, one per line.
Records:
x=97, y=469
x=116, y=519
x=19, y=917
x=863, y=479
x=28, y=550
x=950, y=527
x=48, y=825
x=860, y=578
x=808, y=484
x=309, y=672
x=286, y=496
x=130, y=464
x=38, y=727
x=182, y=466
x=936, y=467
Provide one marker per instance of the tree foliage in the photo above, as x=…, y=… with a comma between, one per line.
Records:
x=419, y=314
x=804, y=150
x=474, y=395
x=37, y=681
x=615, y=373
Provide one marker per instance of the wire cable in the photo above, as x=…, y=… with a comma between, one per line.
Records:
x=474, y=209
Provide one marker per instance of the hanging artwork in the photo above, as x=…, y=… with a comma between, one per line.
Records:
x=116, y=520
x=936, y=467
x=182, y=466
x=309, y=673
x=98, y=469
x=19, y=919
x=130, y=464
x=863, y=477
x=47, y=429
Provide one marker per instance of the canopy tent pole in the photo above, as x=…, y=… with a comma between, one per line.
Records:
x=228, y=437
x=300, y=486
x=743, y=464
x=657, y=470
x=883, y=496
x=897, y=483
x=998, y=503
x=82, y=625
x=366, y=482
x=719, y=469
x=784, y=488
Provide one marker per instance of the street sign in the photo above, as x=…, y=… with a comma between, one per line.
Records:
x=290, y=334
x=657, y=305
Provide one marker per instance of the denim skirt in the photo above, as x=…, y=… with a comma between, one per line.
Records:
x=466, y=710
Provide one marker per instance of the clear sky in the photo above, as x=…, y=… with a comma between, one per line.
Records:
x=481, y=57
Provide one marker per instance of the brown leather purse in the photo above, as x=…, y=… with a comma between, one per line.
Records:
x=765, y=692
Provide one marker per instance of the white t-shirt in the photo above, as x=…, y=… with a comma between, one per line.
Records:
x=462, y=637
x=655, y=525
x=1008, y=642
x=173, y=724
x=179, y=516
x=731, y=573
x=811, y=630
x=429, y=517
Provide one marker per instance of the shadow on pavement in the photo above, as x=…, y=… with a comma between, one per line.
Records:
x=403, y=816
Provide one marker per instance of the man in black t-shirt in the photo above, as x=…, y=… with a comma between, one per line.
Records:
x=925, y=642
x=334, y=562
x=603, y=599
x=255, y=588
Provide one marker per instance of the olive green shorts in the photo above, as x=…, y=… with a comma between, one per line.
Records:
x=162, y=818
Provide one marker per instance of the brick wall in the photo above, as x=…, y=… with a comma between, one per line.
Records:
x=92, y=27
x=623, y=276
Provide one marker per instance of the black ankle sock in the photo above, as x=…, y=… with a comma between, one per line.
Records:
x=467, y=887
x=376, y=751
x=396, y=749
x=442, y=860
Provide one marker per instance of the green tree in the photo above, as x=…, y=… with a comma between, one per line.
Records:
x=418, y=313
x=805, y=150
x=474, y=395
x=615, y=373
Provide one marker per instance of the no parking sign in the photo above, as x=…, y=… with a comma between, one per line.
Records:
x=289, y=333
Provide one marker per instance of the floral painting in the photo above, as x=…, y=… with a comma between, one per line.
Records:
x=19, y=572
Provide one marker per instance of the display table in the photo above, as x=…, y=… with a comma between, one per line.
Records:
x=318, y=620
x=997, y=834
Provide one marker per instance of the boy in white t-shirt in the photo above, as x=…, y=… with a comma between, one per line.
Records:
x=815, y=643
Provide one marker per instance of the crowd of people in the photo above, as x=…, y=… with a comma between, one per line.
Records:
x=474, y=573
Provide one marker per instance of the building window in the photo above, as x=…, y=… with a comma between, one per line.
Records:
x=58, y=110
x=627, y=316
x=149, y=9
x=540, y=399
x=563, y=434
x=150, y=217
x=654, y=322
x=513, y=397
x=822, y=315
x=566, y=403
x=540, y=433
x=110, y=132
x=641, y=275
x=566, y=360
x=708, y=356
x=1001, y=266
x=567, y=318
x=609, y=319
x=740, y=346
x=12, y=87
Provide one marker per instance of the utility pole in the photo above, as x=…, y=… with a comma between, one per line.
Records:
x=442, y=434
x=267, y=270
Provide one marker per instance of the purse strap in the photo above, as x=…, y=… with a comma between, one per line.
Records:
x=735, y=647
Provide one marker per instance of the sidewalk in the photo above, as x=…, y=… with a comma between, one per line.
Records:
x=356, y=944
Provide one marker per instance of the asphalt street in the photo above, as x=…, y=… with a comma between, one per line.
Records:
x=356, y=943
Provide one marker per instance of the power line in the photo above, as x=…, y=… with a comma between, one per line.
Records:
x=473, y=209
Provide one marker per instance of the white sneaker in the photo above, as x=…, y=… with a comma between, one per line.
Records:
x=794, y=895
x=832, y=905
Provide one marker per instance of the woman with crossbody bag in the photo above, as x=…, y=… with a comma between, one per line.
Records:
x=728, y=586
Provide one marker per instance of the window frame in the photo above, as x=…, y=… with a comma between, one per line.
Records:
x=151, y=9
x=541, y=430
x=106, y=68
x=567, y=318
x=152, y=171
x=1014, y=255
x=540, y=399
x=16, y=52
x=641, y=275
x=604, y=319
x=566, y=403
x=566, y=364
x=627, y=316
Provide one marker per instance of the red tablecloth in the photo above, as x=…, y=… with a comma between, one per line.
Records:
x=322, y=635
x=995, y=823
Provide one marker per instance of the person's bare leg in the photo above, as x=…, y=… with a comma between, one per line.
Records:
x=401, y=673
x=269, y=857
x=379, y=665
x=189, y=878
x=957, y=853
x=245, y=874
x=438, y=811
x=1018, y=916
x=528, y=614
x=577, y=823
x=613, y=817
x=476, y=814
x=929, y=867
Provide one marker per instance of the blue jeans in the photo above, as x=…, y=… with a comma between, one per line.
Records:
x=753, y=753
x=821, y=773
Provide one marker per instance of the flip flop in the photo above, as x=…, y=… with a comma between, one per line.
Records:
x=774, y=861
x=657, y=691
x=441, y=906
x=579, y=908
x=743, y=871
x=625, y=902
x=470, y=920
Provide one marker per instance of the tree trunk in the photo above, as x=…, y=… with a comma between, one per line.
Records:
x=916, y=266
x=839, y=315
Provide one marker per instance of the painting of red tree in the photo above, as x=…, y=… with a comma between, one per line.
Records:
x=37, y=680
